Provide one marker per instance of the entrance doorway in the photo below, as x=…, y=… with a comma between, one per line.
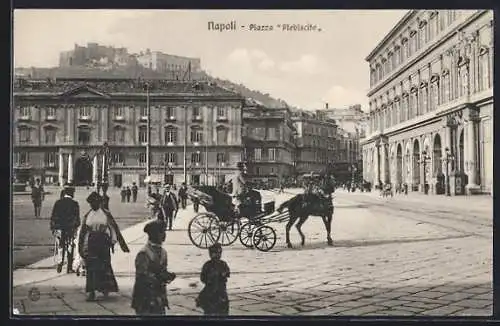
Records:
x=117, y=180
x=82, y=175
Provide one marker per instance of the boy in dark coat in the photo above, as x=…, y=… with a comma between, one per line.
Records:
x=213, y=298
x=149, y=296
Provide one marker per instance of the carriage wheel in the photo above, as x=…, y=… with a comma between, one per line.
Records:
x=204, y=230
x=229, y=232
x=246, y=234
x=264, y=238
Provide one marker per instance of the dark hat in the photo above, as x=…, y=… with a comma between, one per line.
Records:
x=154, y=227
x=93, y=197
x=215, y=247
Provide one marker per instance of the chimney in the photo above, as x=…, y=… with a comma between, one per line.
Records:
x=326, y=106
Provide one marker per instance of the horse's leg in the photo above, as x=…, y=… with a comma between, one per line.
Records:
x=298, y=226
x=289, y=225
x=327, y=220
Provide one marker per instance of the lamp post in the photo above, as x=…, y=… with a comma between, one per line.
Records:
x=447, y=159
x=148, y=134
x=423, y=160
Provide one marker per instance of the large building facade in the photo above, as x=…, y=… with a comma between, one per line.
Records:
x=431, y=103
x=269, y=142
x=167, y=63
x=317, y=142
x=60, y=126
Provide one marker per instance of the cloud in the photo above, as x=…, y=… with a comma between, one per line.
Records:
x=340, y=97
x=307, y=63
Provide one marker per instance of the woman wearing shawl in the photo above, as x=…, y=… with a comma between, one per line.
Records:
x=97, y=238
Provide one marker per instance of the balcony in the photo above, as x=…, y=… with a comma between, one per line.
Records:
x=85, y=118
x=25, y=118
x=170, y=143
x=197, y=118
x=50, y=118
x=119, y=118
x=222, y=118
x=50, y=165
x=143, y=118
x=171, y=118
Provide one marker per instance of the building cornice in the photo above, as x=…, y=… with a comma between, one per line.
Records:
x=431, y=47
x=388, y=36
x=130, y=96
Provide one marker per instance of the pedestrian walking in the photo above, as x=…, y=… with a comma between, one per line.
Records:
x=135, y=190
x=169, y=206
x=64, y=223
x=183, y=195
x=97, y=239
x=213, y=298
x=128, y=193
x=149, y=294
x=37, y=197
x=123, y=193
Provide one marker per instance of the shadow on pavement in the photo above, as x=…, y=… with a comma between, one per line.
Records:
x=365, y=243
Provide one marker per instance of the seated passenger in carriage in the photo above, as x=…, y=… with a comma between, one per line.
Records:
x=239, y=186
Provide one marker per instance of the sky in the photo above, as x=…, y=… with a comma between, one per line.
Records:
x=304, y=68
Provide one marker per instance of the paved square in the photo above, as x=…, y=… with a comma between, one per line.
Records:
x=407, y=255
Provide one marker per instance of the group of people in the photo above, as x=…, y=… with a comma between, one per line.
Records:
x=97, y=234
x=165, y=205
x=128, y=192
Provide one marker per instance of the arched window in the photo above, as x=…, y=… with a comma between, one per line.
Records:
x=397, y=56
x=222, y=135
x=413, y=110
x=422, y=34
x=405, y=53
x=404, y=107
x=170, y=134
x=434, y=93
x=196, y=134
x=413, y=43
x=390, y=62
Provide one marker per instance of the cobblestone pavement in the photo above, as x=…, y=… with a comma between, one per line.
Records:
x=391, y=257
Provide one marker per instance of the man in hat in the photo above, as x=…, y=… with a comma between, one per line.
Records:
x=239, y=185
x=37, y=196
x=183, y=195
x=169, y=206
x=64, y=223
x=149, y=294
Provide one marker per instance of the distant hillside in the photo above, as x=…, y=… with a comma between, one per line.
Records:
x=141, y=72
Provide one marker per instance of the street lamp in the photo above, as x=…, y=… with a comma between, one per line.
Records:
x=447, y=159
x=423, y=160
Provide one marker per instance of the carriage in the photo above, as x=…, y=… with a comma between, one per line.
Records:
x=221, y=223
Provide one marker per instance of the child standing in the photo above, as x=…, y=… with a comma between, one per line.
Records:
x=213, y=298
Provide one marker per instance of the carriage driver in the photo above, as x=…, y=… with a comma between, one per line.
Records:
x=239, y=185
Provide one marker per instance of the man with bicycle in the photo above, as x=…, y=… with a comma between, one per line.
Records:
x=64, y=223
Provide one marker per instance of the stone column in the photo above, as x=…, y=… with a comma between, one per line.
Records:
x=61, y=169
x=377, y=165
x=471, y=163
x=70, y=167
x=95, y=169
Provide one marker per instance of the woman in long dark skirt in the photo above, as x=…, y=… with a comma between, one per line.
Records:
x=97, y=239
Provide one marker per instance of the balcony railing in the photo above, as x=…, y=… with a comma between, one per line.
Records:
x=25, y=118
x=221, y=118
x=197, y=118
x=171, y=118
x=84, y=118
x=50, y=118
x=119, y=118
x=143, y=118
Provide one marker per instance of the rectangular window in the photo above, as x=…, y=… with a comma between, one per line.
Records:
x=170, y=135
x=50, y=159
x=83, y=136
x=84, y=112
x=221, y=112
x=50, y=136
x=23, y=158
x=117, y=158
x=271, y=133
x=24, y=135
x=119, y=135
x=142, y=159
x=221, y=158
x=196, y=112
x=258, y=154
x=195, y=157
x=171, y=157
x=170, y=112
x=143, y=112
x=50, y=112
x=271, y=154
x=484, y=72
x=143, y=135
x=25, y=111
x=118, y=111
x=196, y=135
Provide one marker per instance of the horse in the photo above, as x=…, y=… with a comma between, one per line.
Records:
x=300, y=207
